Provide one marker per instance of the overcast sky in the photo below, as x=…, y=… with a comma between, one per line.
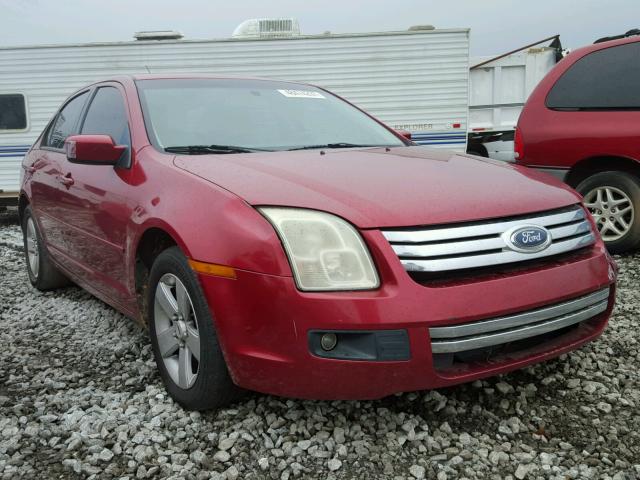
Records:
x=496, y=25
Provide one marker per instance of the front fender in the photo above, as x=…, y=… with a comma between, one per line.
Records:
x=209, y=224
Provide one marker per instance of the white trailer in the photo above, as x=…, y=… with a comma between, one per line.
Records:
x=416, y=80
x=499, y=88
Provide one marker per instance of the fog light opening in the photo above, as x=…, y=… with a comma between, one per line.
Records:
x=328, y=341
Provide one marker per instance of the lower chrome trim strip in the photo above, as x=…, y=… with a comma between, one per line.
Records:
x=520, y=319
x=511, y=335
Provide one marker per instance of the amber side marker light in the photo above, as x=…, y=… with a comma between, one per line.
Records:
x=212, y=269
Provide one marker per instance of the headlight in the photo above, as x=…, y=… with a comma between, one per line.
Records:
x=325, y=252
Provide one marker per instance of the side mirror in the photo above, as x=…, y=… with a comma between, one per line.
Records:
x=93, y=149
x=404, y=134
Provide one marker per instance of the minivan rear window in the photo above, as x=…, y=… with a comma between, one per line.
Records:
x=13, y=112
x=606, y=79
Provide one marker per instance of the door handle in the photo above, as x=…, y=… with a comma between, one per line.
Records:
x=67, y=180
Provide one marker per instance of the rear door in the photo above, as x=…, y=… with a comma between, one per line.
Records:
x=48, y=188
x=95, y=204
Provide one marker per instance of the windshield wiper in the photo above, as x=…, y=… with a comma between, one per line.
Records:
x=333, y=145
x=204, y=149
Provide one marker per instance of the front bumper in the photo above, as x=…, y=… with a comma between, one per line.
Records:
x=263, y=323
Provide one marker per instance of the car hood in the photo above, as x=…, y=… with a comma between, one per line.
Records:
x=380, y=187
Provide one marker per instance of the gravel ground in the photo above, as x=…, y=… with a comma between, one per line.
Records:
x=80, y=397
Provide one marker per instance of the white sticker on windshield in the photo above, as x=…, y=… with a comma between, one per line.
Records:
x=301, y=94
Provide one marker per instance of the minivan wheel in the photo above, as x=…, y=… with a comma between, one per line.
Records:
x=613, y=198
x=43, y=274
x=183, y=336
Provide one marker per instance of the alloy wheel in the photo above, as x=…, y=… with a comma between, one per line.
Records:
x=33, y=254
x=176, y=329
x=612, y=210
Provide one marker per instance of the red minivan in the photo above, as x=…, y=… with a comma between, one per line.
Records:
x=582, y=124
x=276, y=238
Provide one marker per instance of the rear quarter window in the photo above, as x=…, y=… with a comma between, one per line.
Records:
x=607, y=79
x=13, y=112
x=65, y=122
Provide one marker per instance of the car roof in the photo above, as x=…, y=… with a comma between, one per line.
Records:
x=187, y=76
x=131, y=79
x=602, y=45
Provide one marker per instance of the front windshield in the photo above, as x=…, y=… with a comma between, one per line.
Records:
x=253, y=114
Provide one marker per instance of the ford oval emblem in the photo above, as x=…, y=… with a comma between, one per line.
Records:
x=528, y=239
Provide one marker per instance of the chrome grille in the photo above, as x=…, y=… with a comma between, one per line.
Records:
x=474, y=245
x=497, y=331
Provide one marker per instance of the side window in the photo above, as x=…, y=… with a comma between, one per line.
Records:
x=65, y=123
x=107, y=116
x=13, y=112
x=606, y=79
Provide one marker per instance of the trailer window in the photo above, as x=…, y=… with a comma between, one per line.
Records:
x=606, y=79
x=65, y=123
x=13, y=112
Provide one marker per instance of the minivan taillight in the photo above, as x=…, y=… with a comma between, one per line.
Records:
x=518, y=145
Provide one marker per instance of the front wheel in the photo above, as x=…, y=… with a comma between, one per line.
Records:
x=613, y=198
x=183, y=337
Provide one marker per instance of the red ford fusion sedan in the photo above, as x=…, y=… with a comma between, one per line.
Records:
x=276, y=238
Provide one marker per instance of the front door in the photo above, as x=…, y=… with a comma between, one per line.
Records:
x=96, y=205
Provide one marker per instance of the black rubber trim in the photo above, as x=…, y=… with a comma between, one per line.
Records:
x=363, y=345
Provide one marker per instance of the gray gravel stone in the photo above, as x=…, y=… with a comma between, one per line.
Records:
x=521, y=472
x=263, y=463
x=106, y=455
x=334, y=464
x=226, y=443
x=417, y=471
x=222, y=456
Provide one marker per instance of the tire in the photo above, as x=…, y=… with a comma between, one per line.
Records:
x=173, y=328
x=478, y=149
x=43, y=274
x=617, y=206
